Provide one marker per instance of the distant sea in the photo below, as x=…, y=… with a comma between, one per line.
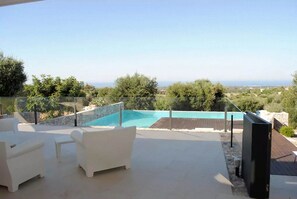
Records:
x=224, y=83
x=257, y=83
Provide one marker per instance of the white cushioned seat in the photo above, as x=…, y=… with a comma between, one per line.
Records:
x=20, y=163
x=104, y=149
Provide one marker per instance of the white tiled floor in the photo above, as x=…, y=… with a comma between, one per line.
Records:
x=164, y=165
x=173, y=165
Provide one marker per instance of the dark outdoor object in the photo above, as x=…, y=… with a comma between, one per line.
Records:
x=35, y=114
x=75, y=116
x=1, y=109
x=237, y=166
x=256, y=153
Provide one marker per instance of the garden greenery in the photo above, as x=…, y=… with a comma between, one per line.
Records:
x=287, y=131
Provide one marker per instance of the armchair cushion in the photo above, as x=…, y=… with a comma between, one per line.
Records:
x=104, y=149
x=25, y=147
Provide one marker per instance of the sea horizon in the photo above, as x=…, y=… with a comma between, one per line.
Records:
x=227, y=83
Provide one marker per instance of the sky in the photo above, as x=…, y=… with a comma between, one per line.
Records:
x=171, y=40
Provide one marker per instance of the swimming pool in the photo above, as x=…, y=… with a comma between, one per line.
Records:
x=145, y=119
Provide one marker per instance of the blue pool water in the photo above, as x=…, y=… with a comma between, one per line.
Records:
x=145, y=119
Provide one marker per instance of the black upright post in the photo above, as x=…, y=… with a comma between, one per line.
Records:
x=75, y=116
x=1, y=112
x=35, y=114
x=231, y=131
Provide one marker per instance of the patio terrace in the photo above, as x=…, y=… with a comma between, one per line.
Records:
x=165, y=164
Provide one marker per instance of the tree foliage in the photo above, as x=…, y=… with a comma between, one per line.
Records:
x=90, y=92
x=268, y=98
x=103, y=97
x=48, y=86
x=200, y=95
x=12, y=76
x=137, y=91
x=180, y=95
x=250, y=104
x=287, y=131
x=71, y=87
x=104, y=92
x=53, y=95
x=162, y=103
x=290, y=102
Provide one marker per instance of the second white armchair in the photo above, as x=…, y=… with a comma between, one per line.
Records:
x=104, y=149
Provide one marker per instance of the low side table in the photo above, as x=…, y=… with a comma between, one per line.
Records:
x=65, y=139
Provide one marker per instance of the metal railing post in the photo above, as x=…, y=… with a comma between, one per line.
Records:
x=35, y=114
x=75, y=115
x=231, y=131
x=120, y=115
x=225, y=118
x=170, y=119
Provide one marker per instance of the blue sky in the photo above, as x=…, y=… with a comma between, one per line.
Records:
x=172, y=40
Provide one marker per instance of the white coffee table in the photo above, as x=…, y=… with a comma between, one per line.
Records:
x=65, y=139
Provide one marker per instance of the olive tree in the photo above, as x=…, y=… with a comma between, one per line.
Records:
x=52, y=95
x=289, y=102
x=137, y=91
x=12, y=76
x=200, y=95
x=180, y=95
x=250, y=104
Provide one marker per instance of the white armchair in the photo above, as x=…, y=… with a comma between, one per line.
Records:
x=9, y=125
x=104, y=149
x=20, y=163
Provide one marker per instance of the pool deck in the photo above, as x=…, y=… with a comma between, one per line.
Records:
x=191, y=123
x=282, y=158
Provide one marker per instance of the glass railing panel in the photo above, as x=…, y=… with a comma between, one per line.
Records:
x=7, y=106
x=160, y=112
x=103, y=115
x=145, y=112
x=233, y=110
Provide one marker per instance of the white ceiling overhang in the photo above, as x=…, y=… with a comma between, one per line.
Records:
x=12, y=2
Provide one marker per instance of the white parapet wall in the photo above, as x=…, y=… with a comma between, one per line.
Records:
x=85, y=116
x=282, y=117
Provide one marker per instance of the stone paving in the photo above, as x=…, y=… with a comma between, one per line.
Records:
x=238, y=187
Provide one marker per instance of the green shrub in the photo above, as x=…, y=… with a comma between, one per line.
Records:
x=273, y=107
x=287, y=131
